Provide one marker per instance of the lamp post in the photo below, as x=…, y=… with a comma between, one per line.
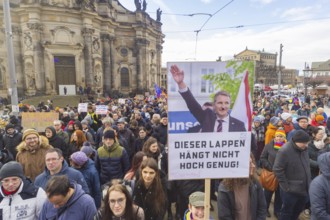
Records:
x=10, y=57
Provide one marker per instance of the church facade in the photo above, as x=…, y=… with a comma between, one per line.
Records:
x=81, y=43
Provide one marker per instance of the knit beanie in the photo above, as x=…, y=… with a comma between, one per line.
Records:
x=274, y=120
x=280, y=131
x=109, y=134
x=28, y=132
x=300, y=137
x=285, y=115
x=257, y=119
x=79, y=158
x=319, y=118
x=277, y=144
x=11, y=168
x=88, y=150
x=9, y=125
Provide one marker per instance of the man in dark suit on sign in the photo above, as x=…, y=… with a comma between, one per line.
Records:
x=216, y=120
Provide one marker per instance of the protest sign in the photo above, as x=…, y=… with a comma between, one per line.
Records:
x=209, y=155
x=201, y=103
x=38, y=120
x=101, y=109
x=82, y=107
x=121, y=101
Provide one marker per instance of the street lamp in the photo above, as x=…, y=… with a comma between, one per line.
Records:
x=306, y=72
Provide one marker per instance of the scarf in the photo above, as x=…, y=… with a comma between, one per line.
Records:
x=278, y=145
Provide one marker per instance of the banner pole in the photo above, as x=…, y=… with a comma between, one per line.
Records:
x=207, y=198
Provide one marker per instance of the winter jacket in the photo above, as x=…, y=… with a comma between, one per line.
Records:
x=64, y=135
x=25, y=204
x=139, y=214
x=33, y=162
x=319, y=191
x=10, y=142
x=292, y=169
x=128, y=135
x=93, y=181
x=74, y=176
x=313, y=154
x=226, y=202
x=161, y=130
x=270, y=133
x=268, y=156
x=141, y=197
x=80, y=206
x=113, y=163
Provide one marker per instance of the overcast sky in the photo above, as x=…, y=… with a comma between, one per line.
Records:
x=302, y=26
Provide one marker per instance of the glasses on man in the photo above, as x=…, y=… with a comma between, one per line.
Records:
x=51, y=160
x=118, y=201
x=13, y=180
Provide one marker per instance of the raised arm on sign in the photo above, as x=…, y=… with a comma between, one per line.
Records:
x=178, y=76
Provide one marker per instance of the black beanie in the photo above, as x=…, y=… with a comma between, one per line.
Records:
x=9, y=125
x=11, y=168
x=300, y=137
x=109, y=134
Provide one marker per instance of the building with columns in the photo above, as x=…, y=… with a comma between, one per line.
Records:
x=89, y=43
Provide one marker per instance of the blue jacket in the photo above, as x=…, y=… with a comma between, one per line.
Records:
x=93, y=181
x=74, y=176
x=319, y=191
x=113, y=163
x=80, y=206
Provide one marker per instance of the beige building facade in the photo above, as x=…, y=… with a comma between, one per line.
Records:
x=265, y=65
x=87, y=43
x=266, y=69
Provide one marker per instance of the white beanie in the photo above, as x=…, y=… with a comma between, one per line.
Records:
x=285, y=115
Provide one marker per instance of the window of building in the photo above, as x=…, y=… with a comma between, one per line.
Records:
x=124, y=77
x=124, y=52
x=206, y=85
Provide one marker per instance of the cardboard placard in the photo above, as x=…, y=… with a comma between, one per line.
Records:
x=38, y=120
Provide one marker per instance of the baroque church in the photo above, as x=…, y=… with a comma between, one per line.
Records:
x=82, y=43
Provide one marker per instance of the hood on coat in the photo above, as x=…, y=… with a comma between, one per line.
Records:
x=52, y=129
x=324, y=163
x=43, y=143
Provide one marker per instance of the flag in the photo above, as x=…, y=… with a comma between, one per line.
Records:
x=242, y=109
x=158, y=90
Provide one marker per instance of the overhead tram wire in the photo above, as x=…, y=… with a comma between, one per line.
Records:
x=250, y=25
x=207, y=20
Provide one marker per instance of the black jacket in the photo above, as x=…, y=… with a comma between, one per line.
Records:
x=226, y=202
x=292, y=169
x=10, y=142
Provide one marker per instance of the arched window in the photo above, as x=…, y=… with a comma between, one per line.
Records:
x=124, y=76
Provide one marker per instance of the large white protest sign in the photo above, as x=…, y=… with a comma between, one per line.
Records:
x=209, y=109
x=209, y=155
x=101, y=109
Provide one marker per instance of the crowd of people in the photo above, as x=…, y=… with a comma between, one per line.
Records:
x=115, y=166
x=91, y=166
x=291, y=140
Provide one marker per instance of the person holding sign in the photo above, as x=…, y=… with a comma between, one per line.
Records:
x=216, y=120
x=195, y=209
x=242, y=198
